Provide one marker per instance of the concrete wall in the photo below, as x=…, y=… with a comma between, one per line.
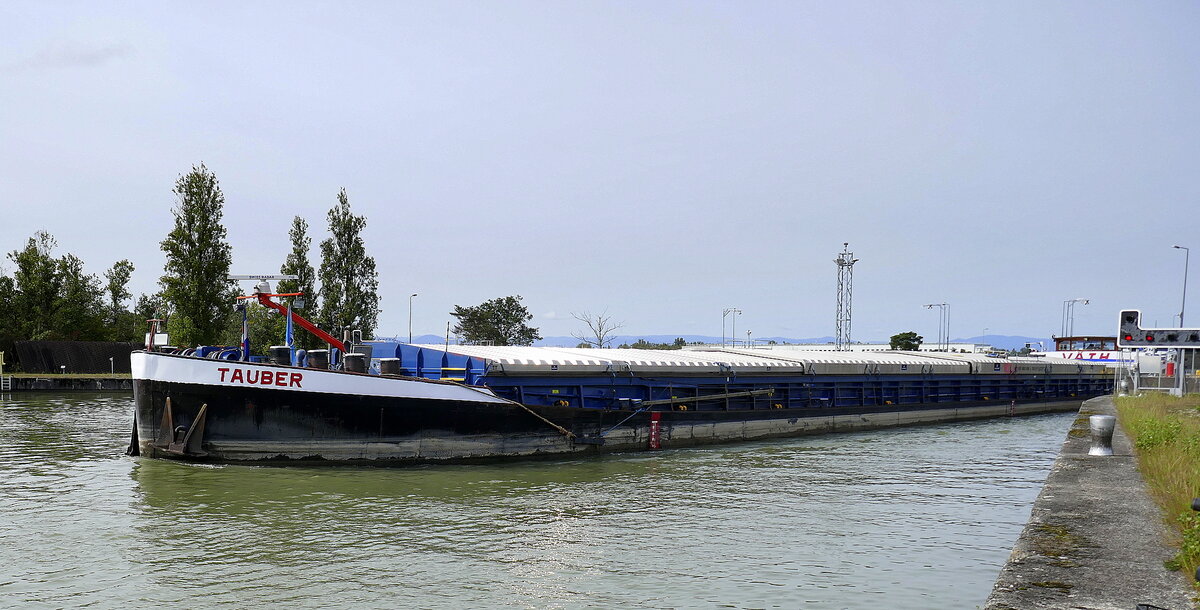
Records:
x=60, y=383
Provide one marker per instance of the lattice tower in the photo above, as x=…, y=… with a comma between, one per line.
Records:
x=845, y=291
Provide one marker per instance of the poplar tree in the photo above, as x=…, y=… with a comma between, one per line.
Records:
x=117, y=280
x=349, y=282
x=196, y=285
x=123, y=324
x=297, y=264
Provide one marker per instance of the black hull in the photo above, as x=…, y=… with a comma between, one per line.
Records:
x=252, y=424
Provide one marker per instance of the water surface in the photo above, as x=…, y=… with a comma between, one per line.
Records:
x=904, y=518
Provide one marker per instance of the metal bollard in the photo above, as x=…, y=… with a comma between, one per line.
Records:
x=1102, y=433
x=279, y=354
x=355, y=363
x=389, y=366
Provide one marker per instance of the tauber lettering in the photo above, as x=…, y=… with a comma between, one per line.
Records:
x=281, y=379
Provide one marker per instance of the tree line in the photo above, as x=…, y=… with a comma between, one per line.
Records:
x=197, y=294
x=51, y=297
x=48, y=296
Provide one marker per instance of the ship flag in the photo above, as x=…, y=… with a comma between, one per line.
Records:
x=289, y=337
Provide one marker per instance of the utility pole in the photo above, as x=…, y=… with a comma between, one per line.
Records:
x=845, y=292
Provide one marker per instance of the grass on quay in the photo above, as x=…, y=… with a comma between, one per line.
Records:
x=1166, y=436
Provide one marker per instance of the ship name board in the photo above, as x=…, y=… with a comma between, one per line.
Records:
x=282, y=379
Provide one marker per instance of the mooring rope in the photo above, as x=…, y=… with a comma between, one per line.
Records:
x=566, y=432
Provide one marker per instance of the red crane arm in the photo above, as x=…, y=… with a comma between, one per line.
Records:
x=265, y=300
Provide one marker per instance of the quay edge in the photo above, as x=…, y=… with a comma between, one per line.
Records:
x=67, y=383
x=1095, y=538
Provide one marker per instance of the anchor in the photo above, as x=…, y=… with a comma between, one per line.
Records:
x=181, y=440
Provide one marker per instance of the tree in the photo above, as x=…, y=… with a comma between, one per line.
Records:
x=37, y=286
x=117, y=279
x=297, y=264
x=151, y=307
x=10, y=320
x=196, y=285
x=500, y=321
x=265, y=326
x=601, y=326
x=349, y=282
x=80, y=312
x=52, y=298
x=644, y=344
x=907, y=341
x=148, y=307
x=123, y=324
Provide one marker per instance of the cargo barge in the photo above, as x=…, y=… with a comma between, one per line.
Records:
x=464, y=403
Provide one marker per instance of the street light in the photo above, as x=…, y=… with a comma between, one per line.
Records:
x=1183, y=305
x=1186, y=255
x=112, y=368
x=943, y=324
x=410, y=298
x=725, y=312
x=1068, y=324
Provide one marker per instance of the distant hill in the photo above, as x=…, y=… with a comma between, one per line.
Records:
x=1000, y=341
x=630, y=339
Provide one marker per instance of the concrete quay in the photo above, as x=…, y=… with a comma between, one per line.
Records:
x=67, y=383
x=1095, y=539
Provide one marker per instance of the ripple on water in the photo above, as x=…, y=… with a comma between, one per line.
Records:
x=882, y=519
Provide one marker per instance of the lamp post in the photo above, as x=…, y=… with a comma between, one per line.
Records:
x=410, y=298
x=943, y=324
x=1183, y=304
x=1068, y=324
x=725, y=312
x=112, y=368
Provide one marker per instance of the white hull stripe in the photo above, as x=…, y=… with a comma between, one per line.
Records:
x=200, y=371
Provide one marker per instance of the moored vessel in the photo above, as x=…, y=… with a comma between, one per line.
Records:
x=455, y=403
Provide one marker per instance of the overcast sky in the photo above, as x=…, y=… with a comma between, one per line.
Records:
x=659, y=160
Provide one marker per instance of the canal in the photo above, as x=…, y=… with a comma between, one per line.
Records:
x=904, y=518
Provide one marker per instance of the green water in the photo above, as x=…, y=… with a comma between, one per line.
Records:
x=906, y=518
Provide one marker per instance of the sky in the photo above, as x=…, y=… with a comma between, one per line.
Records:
x=659, y=161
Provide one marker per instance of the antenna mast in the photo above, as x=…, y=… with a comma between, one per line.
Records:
x=845, y=291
